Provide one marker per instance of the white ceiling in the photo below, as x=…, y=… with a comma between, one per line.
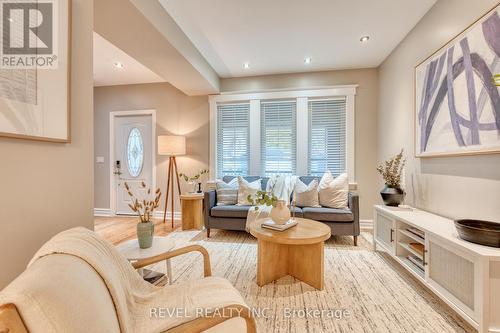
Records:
x=275, y=36
x=106, y=74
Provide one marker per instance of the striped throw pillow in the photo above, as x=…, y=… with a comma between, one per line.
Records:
x=227, y=193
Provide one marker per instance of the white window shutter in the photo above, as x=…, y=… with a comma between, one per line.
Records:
x=233, y=139
x=327, y=136
x=278, y=137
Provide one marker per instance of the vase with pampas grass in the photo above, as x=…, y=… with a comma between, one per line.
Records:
x=392, y=171
x=144, y=209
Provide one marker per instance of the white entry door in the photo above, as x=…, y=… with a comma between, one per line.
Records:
x=133, y=158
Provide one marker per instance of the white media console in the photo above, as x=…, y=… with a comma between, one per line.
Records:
x=464, y=275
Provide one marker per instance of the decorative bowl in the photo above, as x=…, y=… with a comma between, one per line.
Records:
x=479, y=232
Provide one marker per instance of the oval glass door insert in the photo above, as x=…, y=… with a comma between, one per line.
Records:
x=135, y=152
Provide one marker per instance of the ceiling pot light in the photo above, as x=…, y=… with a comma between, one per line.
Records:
x=307, y=60
x=118, y=65
x=364, y=39
x=246, y=65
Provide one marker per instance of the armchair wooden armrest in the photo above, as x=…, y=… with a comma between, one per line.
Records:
x=215, y=318
x=175, y=253
x=10, y=320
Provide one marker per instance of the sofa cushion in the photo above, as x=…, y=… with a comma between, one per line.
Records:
x=239, y=211
x=328, y=214
x=230, y=211
x=298, y=212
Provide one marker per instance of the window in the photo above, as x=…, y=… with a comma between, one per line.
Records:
x=233, y=146
x=135, y=152
x=278, y=140
x=287, y=132
x=327, y=136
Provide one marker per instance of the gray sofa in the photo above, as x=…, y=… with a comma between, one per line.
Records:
x=232, y=217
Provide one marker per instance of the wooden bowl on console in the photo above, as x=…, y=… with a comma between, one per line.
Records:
x=479, y=232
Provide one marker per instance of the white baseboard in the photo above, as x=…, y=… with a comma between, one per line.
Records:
x=366, y=224
x=157, y=214
x=102, y=212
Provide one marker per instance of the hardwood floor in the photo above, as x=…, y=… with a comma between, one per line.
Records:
x=117, y=229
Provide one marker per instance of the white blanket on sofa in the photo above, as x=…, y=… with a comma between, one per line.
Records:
x=282, y=187
x=132, y=297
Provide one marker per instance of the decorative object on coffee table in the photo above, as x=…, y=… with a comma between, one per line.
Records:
x=298, y=251
x=280, y=213
x=133, y=253
x=192, y=211
x=479, y=232
x=392, y=172
x=145, y=209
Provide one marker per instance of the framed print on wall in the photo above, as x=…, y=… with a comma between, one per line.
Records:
x=457, y=104
x=35, y=63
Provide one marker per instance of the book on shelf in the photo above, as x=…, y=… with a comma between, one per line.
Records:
x=269, y=224
x=416, y=232
x=417, y=261
x=419, y=248
x=152, y=277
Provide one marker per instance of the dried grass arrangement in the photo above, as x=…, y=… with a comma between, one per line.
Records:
x=144, y=208
x=392, y=170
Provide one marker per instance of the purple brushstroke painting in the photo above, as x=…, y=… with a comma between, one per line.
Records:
x=457, y=102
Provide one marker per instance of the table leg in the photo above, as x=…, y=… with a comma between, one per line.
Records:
x=169, y=271
x=272, y=262
x=306, y=263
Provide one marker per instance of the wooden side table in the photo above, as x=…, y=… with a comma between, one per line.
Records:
x=192, y=211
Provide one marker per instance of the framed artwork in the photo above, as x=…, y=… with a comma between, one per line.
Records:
x=35, y=69
x=457, y=104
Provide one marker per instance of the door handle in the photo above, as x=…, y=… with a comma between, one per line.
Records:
x=118, y=168
x=392, y=235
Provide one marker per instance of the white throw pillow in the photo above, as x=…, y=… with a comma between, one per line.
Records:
x=333, y=192
x=245, y=189
x=306, y=195
x=227, y=193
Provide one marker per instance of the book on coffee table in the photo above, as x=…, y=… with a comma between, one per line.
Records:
x=269, y=224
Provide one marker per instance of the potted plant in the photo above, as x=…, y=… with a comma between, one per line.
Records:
x=280, y=213
x=193, y=180
x=392, y=171
x=145, y=209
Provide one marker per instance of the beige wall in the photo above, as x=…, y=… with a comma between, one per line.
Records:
x=176, y=114
x=47, y=187
x=451, y=186
x=366, y=117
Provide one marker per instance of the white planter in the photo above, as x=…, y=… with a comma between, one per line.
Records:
x=280, y=214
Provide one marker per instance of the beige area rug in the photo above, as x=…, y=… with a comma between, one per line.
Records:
x=365, y=291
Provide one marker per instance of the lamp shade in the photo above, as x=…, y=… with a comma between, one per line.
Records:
x=171, y=145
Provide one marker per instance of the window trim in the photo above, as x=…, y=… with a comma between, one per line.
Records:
x=302, y=96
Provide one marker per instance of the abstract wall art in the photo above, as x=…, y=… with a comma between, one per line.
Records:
x=457, y=104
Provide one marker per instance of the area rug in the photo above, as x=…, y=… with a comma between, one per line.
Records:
x=365, y=291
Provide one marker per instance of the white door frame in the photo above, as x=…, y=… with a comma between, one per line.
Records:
x=112, y=116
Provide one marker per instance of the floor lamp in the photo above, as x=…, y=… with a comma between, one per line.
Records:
x=171, y=146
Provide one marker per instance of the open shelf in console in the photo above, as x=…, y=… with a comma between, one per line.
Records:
x=410, y=247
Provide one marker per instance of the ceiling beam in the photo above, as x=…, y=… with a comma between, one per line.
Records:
x=145, y=31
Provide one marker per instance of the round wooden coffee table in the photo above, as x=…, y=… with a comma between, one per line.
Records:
x=297, y=251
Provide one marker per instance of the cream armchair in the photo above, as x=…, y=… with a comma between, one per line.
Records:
x=72, y=297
